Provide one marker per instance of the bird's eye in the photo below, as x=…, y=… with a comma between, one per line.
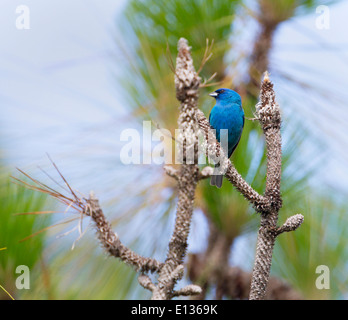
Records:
x=222, y=91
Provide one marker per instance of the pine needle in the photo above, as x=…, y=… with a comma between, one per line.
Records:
x=207, y=54
x=6, y=292
x=170, y=59
x=66, y=182
x=49, y=227
x=34, y=213
x=71, y=201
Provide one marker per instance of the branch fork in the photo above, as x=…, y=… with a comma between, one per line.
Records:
x=268, y=205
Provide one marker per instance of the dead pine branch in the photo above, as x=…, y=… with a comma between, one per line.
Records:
x=187, y=84
x=111, y=242
x=90, y=207
x=268, y=113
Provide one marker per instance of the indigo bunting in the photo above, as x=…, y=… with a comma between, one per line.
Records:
x=226, y=114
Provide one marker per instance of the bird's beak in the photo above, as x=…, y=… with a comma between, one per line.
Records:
x=213, y=94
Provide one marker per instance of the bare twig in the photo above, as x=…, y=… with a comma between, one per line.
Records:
x=206, y=81
x=291, y=224
x=205, y=173
x=171, y=172
x=111, y=242
x=90, y=207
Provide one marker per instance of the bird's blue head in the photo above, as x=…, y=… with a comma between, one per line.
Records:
x=227, y=95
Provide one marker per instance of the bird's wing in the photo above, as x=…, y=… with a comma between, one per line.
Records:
x=210, y=122
x=230, y=153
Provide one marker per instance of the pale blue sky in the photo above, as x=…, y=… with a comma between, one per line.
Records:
x=56, y=82
x=319, y=57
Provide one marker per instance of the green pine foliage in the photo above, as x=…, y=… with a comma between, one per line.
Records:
x=14, y=229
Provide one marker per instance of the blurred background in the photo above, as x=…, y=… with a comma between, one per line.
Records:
x=86, y=70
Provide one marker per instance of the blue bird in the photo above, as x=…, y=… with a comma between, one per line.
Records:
x=226, y=114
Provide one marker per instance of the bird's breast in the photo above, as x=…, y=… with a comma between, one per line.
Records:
x=228, y=122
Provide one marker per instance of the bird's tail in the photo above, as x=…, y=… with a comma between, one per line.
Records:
x=216, y=180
